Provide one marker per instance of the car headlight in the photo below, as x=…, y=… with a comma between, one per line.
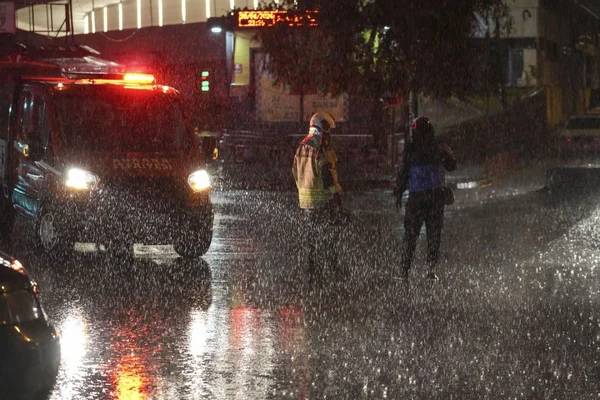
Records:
x=80, y=179
x=199, y=180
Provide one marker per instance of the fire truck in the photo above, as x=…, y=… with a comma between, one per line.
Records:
x=92, y=152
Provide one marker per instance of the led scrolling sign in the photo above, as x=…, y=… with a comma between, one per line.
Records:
x=268, y=19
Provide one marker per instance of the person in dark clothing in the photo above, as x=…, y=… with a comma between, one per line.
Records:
x=422, y=173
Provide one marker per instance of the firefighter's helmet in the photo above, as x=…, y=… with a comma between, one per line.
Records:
x=323, y=121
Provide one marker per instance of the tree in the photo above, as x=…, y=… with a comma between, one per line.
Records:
x=293, y=59
x=379, y=47
x=300, y=57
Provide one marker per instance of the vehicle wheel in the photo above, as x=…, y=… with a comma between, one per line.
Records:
x=51, y=236
x=193, y=245
x=47, y=383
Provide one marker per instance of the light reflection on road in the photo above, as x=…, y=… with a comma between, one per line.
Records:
x=254, y=329
x=130, y=380
x=74, y=344
x=230, y=352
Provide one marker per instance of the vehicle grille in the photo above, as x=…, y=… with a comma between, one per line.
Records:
x=141, y=195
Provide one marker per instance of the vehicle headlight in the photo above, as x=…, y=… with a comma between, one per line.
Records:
x=17, y=266
x=199, y=180
x=80, y=179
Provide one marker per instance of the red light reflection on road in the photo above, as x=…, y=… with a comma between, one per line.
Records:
x=244, y=322
x=290, y=325
x=130, y=382
x=293, y=342
x=130, y=375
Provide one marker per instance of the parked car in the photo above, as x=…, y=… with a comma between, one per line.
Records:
x=29, y=344
x=580, y=137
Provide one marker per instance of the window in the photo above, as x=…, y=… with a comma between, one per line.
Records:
x=115, y=120
x=18, y=307
x=583, y=123
x=33, y=119
x=515, y=66
x=24, y=116
x=42, y=131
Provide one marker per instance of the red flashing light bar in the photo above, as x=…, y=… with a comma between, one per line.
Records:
x=139, y=78
x=268, y=19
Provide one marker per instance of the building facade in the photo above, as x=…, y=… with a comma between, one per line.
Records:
x=174, y=39
x=553, y=45
x=548, y=45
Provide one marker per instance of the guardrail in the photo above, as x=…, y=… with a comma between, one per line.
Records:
x=279, y=149
x=250, y=161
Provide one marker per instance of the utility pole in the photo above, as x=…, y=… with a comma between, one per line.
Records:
x=499, y=60
x=413, y=111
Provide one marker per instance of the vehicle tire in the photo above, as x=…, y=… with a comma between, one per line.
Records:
x=51, y=235
x=193, y=245
x=47, y=382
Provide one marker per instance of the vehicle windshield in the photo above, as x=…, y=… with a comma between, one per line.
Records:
x=584, y=123
x=18, y=307
x=121, y=120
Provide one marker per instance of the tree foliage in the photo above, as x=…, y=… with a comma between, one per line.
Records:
x=379, y=47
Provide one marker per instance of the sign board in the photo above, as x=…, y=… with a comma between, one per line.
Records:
x=268, y=19
x=524, y=22
x=7, y=17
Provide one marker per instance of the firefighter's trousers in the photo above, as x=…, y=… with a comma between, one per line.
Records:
x=320, y=230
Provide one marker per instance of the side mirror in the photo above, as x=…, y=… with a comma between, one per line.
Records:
x=27, y=150
x=210, y=148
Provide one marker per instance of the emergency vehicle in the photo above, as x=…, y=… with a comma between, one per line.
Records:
x=91, y=152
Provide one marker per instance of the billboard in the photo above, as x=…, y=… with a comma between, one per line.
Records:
x=270, y=18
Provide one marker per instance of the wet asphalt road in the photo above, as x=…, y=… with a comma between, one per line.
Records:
x=514, y=315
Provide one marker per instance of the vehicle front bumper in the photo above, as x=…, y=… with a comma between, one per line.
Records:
x=151, y=221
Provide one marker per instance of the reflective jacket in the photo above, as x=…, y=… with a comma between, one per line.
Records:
x=315, y=173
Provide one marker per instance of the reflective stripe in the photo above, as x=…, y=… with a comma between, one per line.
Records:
x=314, y=198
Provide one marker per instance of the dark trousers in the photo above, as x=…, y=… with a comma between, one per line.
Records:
x=319, y=238
x=423, y=208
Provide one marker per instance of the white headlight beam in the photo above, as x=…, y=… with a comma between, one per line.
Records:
x=80, y=179
x=199, y=180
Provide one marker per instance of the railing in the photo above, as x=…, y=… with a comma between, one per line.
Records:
x=246, y=147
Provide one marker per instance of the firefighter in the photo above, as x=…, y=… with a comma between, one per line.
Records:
x=319, y=190
x=422, y=172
